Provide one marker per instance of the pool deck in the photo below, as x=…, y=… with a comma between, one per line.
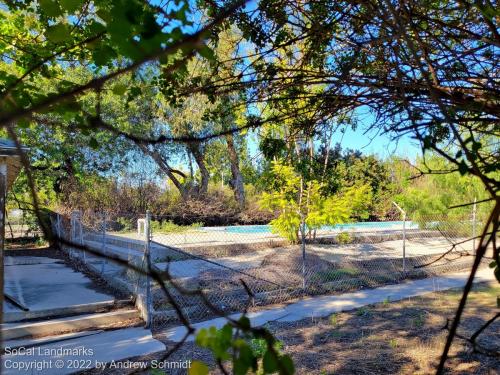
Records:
x=219, y=237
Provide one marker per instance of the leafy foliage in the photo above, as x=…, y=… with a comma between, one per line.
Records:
x=246, y=351
x=434, y=193
x=302, y=204
x=168, y=226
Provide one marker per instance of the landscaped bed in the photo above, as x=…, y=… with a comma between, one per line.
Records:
x=404, y=337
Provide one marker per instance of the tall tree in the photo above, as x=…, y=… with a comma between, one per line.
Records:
x=237, y=177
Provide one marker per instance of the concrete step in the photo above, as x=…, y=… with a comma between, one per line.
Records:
x=97, y=307
x=29, y=342
x=12, y=331
x=85, y=352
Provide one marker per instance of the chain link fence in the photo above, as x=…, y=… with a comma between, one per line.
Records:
x=123, y=263
x=241, y=267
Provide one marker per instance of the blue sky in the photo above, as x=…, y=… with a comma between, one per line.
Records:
x=379, y=144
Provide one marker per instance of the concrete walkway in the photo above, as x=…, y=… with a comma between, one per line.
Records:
x=47, y=284
x=326, y=305
x=80, y=353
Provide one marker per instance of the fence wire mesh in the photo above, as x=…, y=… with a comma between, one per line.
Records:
x=111, y=256
x=240, y=267
x=227, y=263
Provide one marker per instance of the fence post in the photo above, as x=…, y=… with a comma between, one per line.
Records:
x=140, y=224
x=474, y=210
x=103, y=247
x=72, y=233
x=80, y=235
x=147, y=255
x=303, y=247
x=403, y=213
x=58, y=228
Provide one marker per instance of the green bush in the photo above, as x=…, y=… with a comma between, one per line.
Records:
x=170, y=227
x=125, y=225
x=344, y=238
x=302, y=204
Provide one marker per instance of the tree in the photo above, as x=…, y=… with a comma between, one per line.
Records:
x=302, y=206
x=434, y=193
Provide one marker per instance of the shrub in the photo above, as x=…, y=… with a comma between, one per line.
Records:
x=335, y=274
x=344, y=238
x=302, y=204
x=125, y=225
x=334, y=319
x=169, y=226
x=363, y=311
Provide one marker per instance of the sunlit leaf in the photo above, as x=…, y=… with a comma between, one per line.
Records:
x=198, y=368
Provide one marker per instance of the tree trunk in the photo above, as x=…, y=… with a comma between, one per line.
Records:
x=191, y=172
x=199, y=158
x=236, y=177
x=170, y=172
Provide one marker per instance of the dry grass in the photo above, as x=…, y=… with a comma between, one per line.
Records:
x=403, y=337
x=394, y=338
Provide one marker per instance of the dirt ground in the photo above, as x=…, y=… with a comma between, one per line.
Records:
x=403, y=337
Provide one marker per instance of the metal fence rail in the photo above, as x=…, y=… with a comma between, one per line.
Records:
x=250, y=266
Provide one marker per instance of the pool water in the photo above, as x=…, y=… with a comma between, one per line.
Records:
x=338, y=227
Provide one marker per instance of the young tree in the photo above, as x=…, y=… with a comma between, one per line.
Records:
x=302, y=206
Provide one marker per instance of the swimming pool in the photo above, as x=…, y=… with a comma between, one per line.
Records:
x=339, y=227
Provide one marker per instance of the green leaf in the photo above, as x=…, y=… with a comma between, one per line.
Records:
x=135, y=91
x=70, y=5
x=51, y=8
x=463, y=168
x=198, y=368
x=493, y=264
x=427, y=142
x=119, y=89
x=201, y=338
x=23, y=123
x=103, y=55
x=207, y=53
x=244, y=323
x=269, y=362
x=93, y=143
x=476, y=146
x=58, y=33
x=226, y=333
x=287, y=363
x=245, y=360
